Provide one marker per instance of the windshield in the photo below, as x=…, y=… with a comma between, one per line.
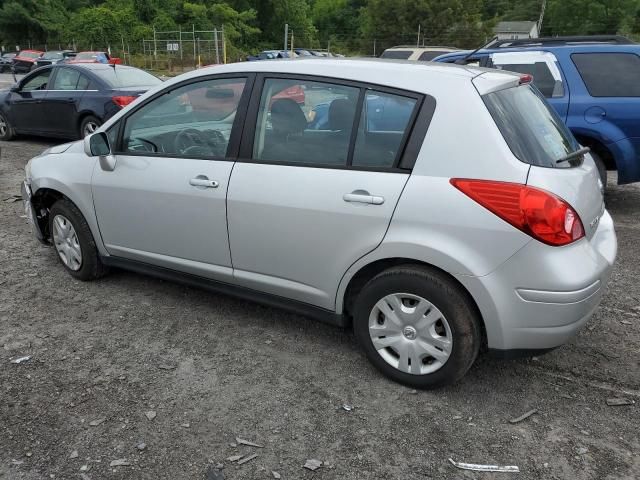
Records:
x=30, y=54
x=530, y=126
x=87, y=55
x=123, y=77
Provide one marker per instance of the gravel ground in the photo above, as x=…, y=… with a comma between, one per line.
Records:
x=212, y=368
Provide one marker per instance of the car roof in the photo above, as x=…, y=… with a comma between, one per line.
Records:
x=578, y=48
x=414, y=76
x=99, y=66
x=423, y=48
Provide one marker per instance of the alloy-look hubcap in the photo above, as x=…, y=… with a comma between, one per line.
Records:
x=410, y=333
x=66, y=241
x=3, y=126
x=90, y=128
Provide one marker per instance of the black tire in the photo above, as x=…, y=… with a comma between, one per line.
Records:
x=7, y=132
x=89, y=119
x=443, y=293
x=602, y=169
x=91, y=267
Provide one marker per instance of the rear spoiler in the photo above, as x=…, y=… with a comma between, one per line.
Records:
x=494, y=81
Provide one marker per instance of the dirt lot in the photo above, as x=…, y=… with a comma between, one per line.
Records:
x=214, y=368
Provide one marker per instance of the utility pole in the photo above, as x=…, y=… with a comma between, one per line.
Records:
x=155, y=44
x=224, y=46
x=418, y=42
x=215, y=39
x=374, y=48
x=286, y=36
x=544, y=6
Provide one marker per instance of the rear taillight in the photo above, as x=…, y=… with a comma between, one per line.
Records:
x=526, y=78
x=123, y=100
x=538, y=213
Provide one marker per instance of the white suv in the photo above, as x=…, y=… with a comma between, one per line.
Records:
x=439, y=209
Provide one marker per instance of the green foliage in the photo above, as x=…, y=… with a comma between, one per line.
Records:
x=350, y=26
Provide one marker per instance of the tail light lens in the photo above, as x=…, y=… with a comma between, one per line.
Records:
x=123, y=100
x=538, y=213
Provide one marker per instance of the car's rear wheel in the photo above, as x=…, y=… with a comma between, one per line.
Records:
x=6, y=130
x=417, y=326
x=89, y=125
x=73, y=242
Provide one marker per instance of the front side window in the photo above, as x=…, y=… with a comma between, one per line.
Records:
x=609, y=74
x=384, y=122
x=305, y=122
x=39, y=82
x=543, y=66
x=66, y=79
x=192, y=120
x=530, y=126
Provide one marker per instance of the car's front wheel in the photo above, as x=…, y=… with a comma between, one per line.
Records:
x=73, y=242
x=417, y=326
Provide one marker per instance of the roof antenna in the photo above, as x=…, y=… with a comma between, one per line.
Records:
x=463, y=60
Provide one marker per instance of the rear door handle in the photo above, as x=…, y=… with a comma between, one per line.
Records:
x=360, y=196
x=203, y=182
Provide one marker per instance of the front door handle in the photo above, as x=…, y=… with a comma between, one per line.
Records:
x=202, y=181
x=362, y=196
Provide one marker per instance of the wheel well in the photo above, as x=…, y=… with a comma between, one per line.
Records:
x=42, y=202
x=369, y=271
x=600, y=149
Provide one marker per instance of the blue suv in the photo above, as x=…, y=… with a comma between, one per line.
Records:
x=592, y=82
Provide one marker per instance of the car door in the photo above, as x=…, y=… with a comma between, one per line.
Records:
x=63, y=100
x=164, y=203
x=545, y=70
x=26, y=109
x=305, y=202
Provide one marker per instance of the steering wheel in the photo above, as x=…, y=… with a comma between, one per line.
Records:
x=188, y=139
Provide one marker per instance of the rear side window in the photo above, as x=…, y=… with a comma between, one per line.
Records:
x=531, y=128
x=428, y=56
x=384, y=123
x=396, y=54
x=609, y=74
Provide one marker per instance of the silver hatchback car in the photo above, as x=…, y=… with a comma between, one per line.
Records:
x=440, y=210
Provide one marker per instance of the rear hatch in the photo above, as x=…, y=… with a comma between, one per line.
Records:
x=537, y=136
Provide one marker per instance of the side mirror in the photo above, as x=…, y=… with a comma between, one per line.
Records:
x=97, y=145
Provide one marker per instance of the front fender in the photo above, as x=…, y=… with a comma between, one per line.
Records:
x=70, y=174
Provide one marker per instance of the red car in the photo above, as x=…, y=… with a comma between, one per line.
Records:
x=25, y=61
x=95, y=57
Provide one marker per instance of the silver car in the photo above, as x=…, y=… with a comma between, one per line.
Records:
x=440, y=210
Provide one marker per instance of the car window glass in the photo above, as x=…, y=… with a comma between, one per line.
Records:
x=66, y=79
x=384, y=121
x=397, y=54
x=541, y=65
x=83, y=82
x=428, y=55
x=193, y=120
x=306, y=122
x=609, y=74
x=39, y=82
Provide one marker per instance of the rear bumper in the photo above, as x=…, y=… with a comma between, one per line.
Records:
x=557, y=289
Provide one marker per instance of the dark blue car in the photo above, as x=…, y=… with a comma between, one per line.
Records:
x=593, y=83
x=69, y=101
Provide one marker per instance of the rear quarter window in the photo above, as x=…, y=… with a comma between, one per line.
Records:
x=609, y=74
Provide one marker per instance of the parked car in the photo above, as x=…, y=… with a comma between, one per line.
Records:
x=25, y=60
x=432, y=247
x=6, y=61
x=270, y=55
x=55, y=56
x=95, y=57
x=592, y=82
x=69, y=101
x=421, y=54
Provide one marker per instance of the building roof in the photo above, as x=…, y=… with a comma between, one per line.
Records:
x=514, y=27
